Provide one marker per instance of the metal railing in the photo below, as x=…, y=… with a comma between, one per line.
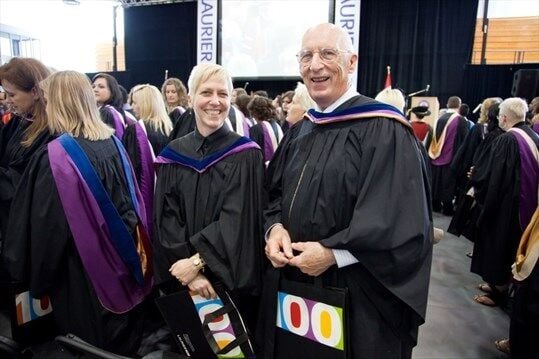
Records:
x=507, y=56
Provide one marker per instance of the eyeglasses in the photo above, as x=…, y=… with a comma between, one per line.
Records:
x=306, y=56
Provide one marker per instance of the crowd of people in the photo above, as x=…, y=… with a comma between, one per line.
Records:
x=111, y=199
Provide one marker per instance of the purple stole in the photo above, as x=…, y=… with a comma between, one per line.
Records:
x=529, y=177
x=119, y=124
x=170, y=156
x=359, y=112
x=147, y=173
x=271, y=140
x=535, y=127
x=113, y=282
x=447, y=150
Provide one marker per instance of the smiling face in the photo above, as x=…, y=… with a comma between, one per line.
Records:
x=211, y=103
x=326, y=80
x=101, y=90
x=21, y=102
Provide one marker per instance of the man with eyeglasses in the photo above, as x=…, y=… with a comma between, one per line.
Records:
x=349, y=204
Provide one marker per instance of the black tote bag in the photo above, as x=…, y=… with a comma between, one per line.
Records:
x=206, y=328
x=311, y=321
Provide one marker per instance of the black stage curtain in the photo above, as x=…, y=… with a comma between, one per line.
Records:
x=482, y=81
x=159, y=38
x=424, y=42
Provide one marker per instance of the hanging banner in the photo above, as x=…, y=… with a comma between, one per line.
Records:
x=207, y=31
x=347, y=14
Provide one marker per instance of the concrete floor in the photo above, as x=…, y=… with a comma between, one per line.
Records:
x=456, y=326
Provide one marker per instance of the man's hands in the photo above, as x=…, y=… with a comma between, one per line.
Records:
x=313, y=260
x=279, y=246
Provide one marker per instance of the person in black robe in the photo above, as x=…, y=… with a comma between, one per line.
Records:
x=330, y=215
x=524, y=327
x=110, y=101
x=208, y=202
x=462, y=161
x=267, y=133
x=148, y=105
x=41, y=248
x=468, y=209
x=146, y=138
x=175, y=97
x=183, y=125
x=449, y=134
x=506, y=189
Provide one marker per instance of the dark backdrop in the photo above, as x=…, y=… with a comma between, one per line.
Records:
x=424, y=42
x=159, y=38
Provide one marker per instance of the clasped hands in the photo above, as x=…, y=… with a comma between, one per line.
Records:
x=189, y=275
x=313, y=259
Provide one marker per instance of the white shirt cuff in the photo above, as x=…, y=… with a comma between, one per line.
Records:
x=269, y=230
x=344, y=258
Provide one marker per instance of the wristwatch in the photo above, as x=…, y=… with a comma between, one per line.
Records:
x=198, y=262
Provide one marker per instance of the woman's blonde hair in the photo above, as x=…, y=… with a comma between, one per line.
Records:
x=71, y=106
x=152, y=110
x=203, y=72
x=485, y=106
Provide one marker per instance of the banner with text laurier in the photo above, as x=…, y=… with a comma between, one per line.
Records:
x=347, y=15
x=207, y=31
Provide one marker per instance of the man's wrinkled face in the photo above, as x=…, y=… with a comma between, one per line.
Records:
x=326, y=80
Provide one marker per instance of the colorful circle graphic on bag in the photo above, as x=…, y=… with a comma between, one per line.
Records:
x=319, y=322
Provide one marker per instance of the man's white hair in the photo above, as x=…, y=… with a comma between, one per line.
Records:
x=514, y=108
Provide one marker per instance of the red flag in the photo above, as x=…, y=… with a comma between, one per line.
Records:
x=388, y=78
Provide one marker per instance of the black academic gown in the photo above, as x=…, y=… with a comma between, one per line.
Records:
x=256, y=133
x=40, y=251
x=14, y=157
x=444, y=180
x=462, y=161
x=498, y=192
x=359, y=185
x=464, y=222
x=157, y=139
x=217, y=213
x=183, y=125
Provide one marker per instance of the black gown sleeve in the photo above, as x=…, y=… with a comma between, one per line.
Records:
x=183, y=125
x=274, y=176
x=130, y=143
x=497, y=187
x=232, y=245
x=37, y=231
x=256, y=134
x=107, y=117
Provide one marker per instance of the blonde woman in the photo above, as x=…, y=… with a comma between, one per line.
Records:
x=208, y=201
x=77, y=233
x=145, y=139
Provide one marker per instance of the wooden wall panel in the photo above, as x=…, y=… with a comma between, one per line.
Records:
x=509, y=40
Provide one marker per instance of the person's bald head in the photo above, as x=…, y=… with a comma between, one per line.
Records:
x=326, y=61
